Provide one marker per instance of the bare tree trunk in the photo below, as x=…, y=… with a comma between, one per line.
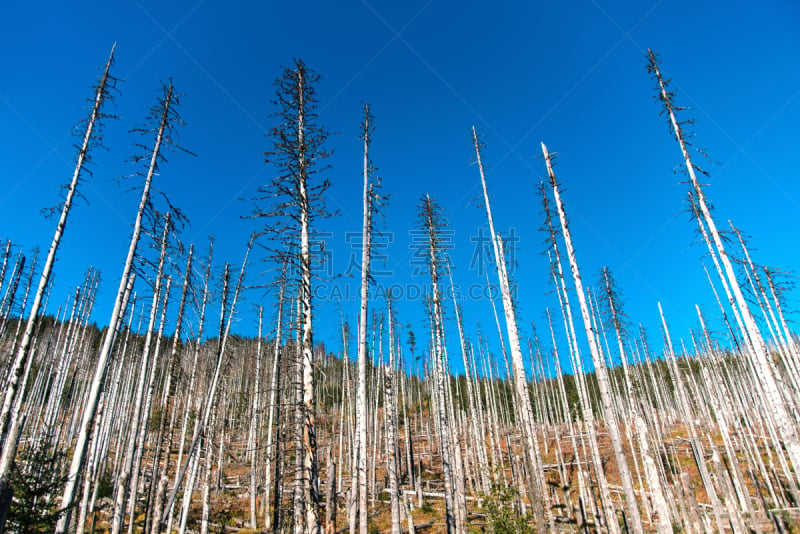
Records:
x=169, y=508
x=101, y=94
x=721, y=414
x=688, y=420
x=145, y=419
x=431, y=218
x=763, y=367
x=161, y=476
x=579, y=376
x=523, y=401
x=273, y=463
x=252, y=439
x=298, y=491
x=90, y=409
x=6, y=256
x=359, y=475
x=653, y=481
x=225, y=326
x=206, y=509
x=475, y=419
x=9, y=446
x=632, y=508
x=775, y=296
x=124, y=485
x=390, y=411
x=310, y=467
x=330, y=496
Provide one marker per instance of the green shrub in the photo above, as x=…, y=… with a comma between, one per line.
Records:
x=104, y=486
x=502, y=513
x=32, y=511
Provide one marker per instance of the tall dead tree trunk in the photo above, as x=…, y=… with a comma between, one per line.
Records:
x=163, y=479
x=93, y=125
x=390, y=415
x=297, y=153
x=688, y=417
x=226, y=318
x=359, y=465
x=432, y=221
x=167, y=515
x=523, y=400
x=252, y=434
x=764, y=370
x=9, y=447
x=274, y=407
x=632, y=508
x=475, y=419
x=579, y=374
x=123, y=482
x=164, y=113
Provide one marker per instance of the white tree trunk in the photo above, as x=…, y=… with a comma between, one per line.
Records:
x=653, y=481
x=225, y=326
x=274, y=407
x=523, y=400
x=123, y=482
x=252, y=439
x=169, y=508
x=359, y=465
x=9, y=449
x=90, y=409
x=763, y=366
x=390, y=411
x=632, y=508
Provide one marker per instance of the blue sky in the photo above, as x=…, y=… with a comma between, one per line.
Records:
x=570, y=74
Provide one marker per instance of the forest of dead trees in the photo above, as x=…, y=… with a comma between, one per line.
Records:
x=577, y=424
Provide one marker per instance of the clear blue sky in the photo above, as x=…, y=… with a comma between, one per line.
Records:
x=570, y=74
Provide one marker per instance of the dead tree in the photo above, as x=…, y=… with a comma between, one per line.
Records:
x=91, y=137
x=295, y=197
x=358, y=492
x=165, y=119
x=632, y=508
x=524, y=413
x=764, y=369
x=432, y=221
